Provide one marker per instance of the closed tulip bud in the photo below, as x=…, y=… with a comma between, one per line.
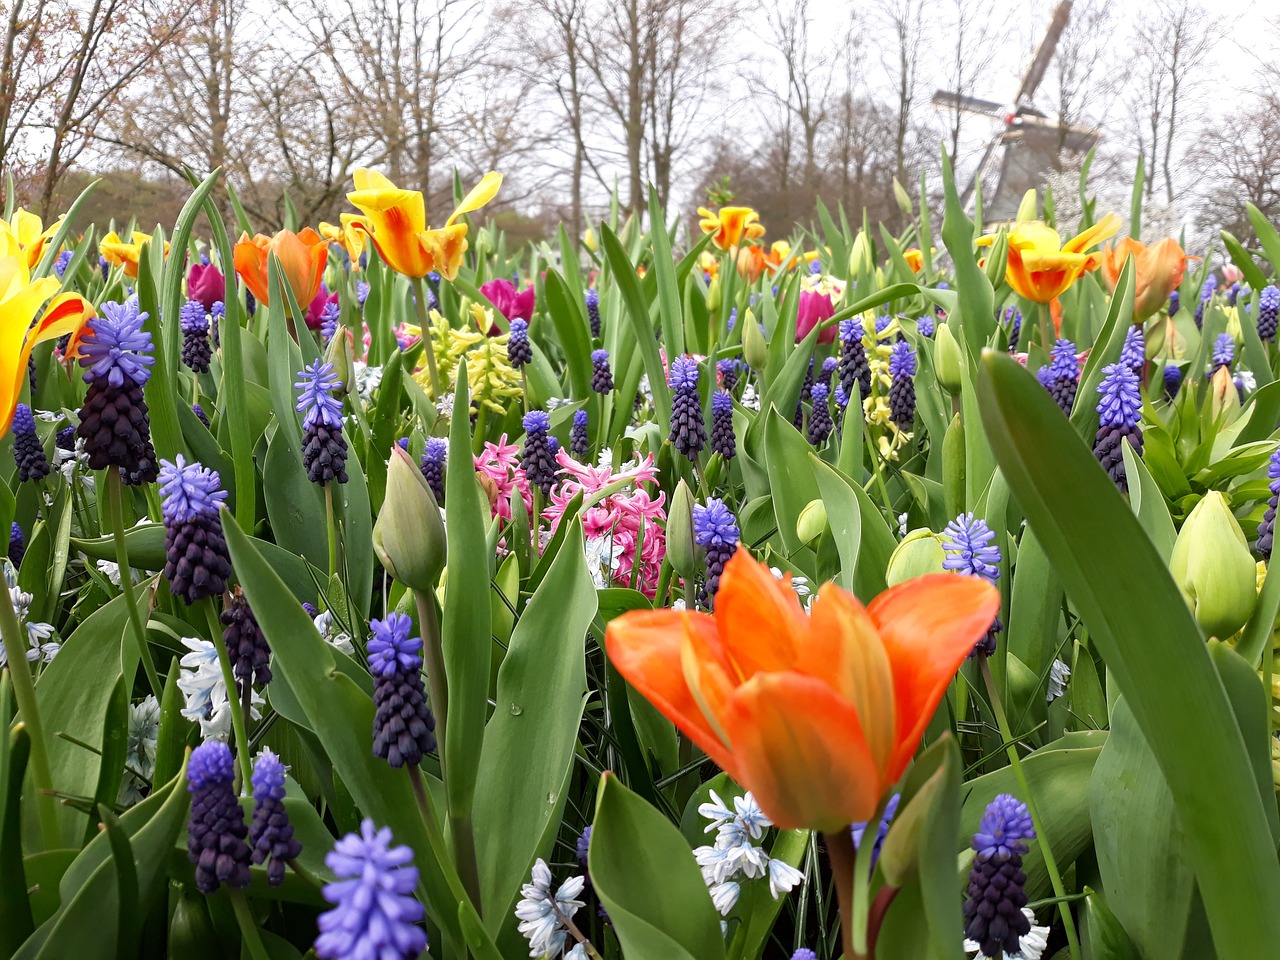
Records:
x=1224, y=399
x=997, y=261
x=1213, y=568
x=920, y=553
x=901, y=850
x=490, y=488
x=948, y=360
x=861, y=257
x=341, y=353
x=713, y=295
x=904, y=199
x=681, y=549
x=812, y=522
x=409, y=537
x=754, y=348
x=589, y=240
x=1027, y=208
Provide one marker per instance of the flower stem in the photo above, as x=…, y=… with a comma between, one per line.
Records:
x=433, y=658
x=248, y=926
x=424, y=322
x=115, y=517
x=24, y=691
x=435, y=838
x=841, y=853
x=239, y=716
x=574, y=931
x=1051, y=864
x=331, y=524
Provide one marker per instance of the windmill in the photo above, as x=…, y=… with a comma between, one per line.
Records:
x=1031, y=142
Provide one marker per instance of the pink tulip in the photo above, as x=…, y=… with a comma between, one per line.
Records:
x=814, y=308
x=315, y=310
x=511, y=303
x=206, y=283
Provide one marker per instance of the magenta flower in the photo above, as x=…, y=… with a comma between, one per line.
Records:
x=511, y=303
x=206, y=283
x=315, y=310
x=813, y=309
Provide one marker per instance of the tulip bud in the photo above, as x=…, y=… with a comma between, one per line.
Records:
x=901, y=850
x=1213, y=568
x=998, y=259
x=904, y=199
x=1027, y=208
x=341, y=354
x=1224, y=399
x=681, y=549
x=1160, y=270
x=713, y=295
x=409, y=536
x=948, y=360
x=812, y=522
x=860, y=257
x=754, y=348
x=490, y=489
x=589, y=240
x=920, y=553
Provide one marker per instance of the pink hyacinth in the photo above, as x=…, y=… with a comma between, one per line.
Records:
x=500, y=463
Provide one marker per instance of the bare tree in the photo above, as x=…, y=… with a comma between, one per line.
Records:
x=971, y=41
x=1076, y=72
x=903, y=22
x=1237, y=162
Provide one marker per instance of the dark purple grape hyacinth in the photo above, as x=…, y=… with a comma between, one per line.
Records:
x=579, y=442
x=902, y=390
x=820, y=423
x=723, y=440
x=968, y=544
x=728, y=369
x=1267, y=528
x=1119, y=414
x=1268, y=312
x=65, y=439
x=435, y=457
x=201, y=415
x=601, y=373
x=246, y=646
x=33, y=376
x=1061, y=376
x=688, y=433
x=17, y=545
x=593, y=312
x=403, y=727
x=853, y=368
x=270, y=832
x=715, y=530
x=993, y=909
x=1206, y=294
x=28, y=451
x=216, y=832
x=859, y=830
x=1014, y=316
x=114, y=422
x=375, y=915
x=539, y=454
x=196, y=349
x=519, y=350
x=1172, y=379
x=324, y=449
x=197, y=564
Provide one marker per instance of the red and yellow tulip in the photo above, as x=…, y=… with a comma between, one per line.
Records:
x=915, y=258
x=1041, y=266
x=120, y=253
x=20, y=302
x=728, y=226
x=302, y=260
x=396, y=221
x=1158, y=267
x=818, y=716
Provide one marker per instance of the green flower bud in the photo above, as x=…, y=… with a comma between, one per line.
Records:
x=341, y=354
x=1224, y=398
x=901, y=850
x=754, y=348
x=1213, y=568
x=713, y=295
x=1027, y=208
x=998, y=259
x=409, y=537
x=904, y=199
x=812, y=522
x=920, y=553
x=681, y=549
x=861, y=257
x=947, y=359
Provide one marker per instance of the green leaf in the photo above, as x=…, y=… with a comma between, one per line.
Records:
x=571, y=326
x=529, y=743
x=1251, y=703
x=624, y=275
x=1148, y=503
x=1270, y=240
x=295, y=505
x=786, y=457
x=1036, y=606
x=645, y=875
x=863, y=539
x=115, y=751
x=1103, y=937
x=1100, y=550
x=15, y=908
x=670, y=316
x=976, y=316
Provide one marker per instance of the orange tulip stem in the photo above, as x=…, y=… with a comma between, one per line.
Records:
x=844, y=857
x=424, y=323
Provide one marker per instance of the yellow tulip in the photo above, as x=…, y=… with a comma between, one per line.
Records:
x=729, y=225
x=396, y=221
x=348, y=235
x=122, y=254
x=1041, y=267
x=28, y=231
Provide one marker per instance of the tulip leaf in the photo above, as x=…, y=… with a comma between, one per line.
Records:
x=295, y=505
x=1117, y=581
x=644, y=872
x=1270, y=240
x=976, y=313
x=624, y=275
x=670, y=316
x=863, y=539
x=16, y=921
x=792, y=483
x=1147, y=503
x=1084, y=415
x=1036, y=607
x=571, y=326
x=1103, y=936
x=529, y=742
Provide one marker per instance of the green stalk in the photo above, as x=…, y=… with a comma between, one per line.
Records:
x=239, y=716
x=248, y=926
x=424, y=321
x=24, y=691
x=841, y=854
x=1051, y=864
x=433, y=659
x=435, y=838
x=115, y=518
x=331, y=526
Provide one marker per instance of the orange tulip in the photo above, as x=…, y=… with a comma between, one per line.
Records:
x=819, y=715
x=915, y=258
x=751, y=262
x=1041, y=267
x=396, y=222
x=1159, y=271
x=729, y=225
x=302, y=260
x=118, y=253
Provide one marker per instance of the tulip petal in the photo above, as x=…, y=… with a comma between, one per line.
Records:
x=1104, y=229
x=761, y=623
x=928, y=626
x=800, y=750
x=645, y=648
x=480, y=194
x=249, y=257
